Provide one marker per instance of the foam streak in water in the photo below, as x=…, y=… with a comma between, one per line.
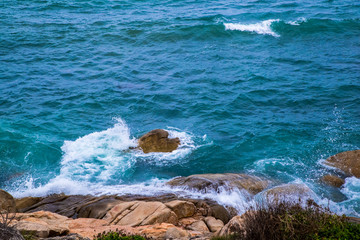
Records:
x=263, y=27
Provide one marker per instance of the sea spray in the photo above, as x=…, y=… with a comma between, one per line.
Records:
x=263, y=27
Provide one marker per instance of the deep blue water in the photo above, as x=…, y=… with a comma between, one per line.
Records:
x=269, y=88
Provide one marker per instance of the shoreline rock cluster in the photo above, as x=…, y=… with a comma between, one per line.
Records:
x=80, y=217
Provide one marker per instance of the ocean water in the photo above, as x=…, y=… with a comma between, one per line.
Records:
x=268, y=88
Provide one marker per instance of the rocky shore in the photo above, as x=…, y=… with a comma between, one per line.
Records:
x=64, y=217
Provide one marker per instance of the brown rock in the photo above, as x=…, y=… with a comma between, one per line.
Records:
x=7, y=201
x=228, y=181
x=26, y=202
x=235, y=225
x=48, y=223
x=219, y=212
x=88, y=232
x=332, y=180
x=97, y=209
x=33, y=228
x=140, y=213
x=176, y=233
x=156, y=231
x=199, y=226
x=158, y=141
x=348, y=162
x=292, y=192
x=213, y=224
x=182, y=208
x=86, y=223
x=62, y=204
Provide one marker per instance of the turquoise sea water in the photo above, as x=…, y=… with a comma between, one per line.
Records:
x=269, y=88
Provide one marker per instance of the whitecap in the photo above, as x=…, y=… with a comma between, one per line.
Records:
x=263, y=27
x=297, y=22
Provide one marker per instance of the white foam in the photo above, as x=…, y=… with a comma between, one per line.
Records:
x=98, y=155
x=351, y=188
x=263, y=27
x=297, y=22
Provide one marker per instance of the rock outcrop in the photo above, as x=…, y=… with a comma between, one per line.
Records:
x=286, y=192
x=7, y=202
x=348, y=162
x=214, y=182
x=235, y=225
x=333, y=180
x=158, y=141
x=140, y=213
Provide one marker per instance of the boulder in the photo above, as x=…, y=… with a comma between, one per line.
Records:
x=198, y=226
x=235, y=225
x=158, y=141
x=220, y=212
x=26, y=202
x=214, y=182
x=213, y=224
x=31, y=228
x=332, y=180
x=138, y=213
x=42, y=224
x=176, y=233
x=97, y=208
x=62, y=204
x=182, y=208
x=288, y=192
x=7, y=201
x=348, y=162
x=156, y=231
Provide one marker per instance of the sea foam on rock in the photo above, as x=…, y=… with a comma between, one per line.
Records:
x=227, y=181
x=348, y=162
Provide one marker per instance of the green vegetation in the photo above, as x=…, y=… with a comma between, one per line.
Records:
x=117, y=236
x=292, y=221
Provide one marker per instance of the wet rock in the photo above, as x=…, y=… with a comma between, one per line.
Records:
x=158, y=141
x=288, y=192
x=214, y=182
x=182, y=208
x=235, y=225
x=26, y=202
x=7, y=201
x=213, y=224
x=332, y=180
x=140, y=213
x=348, y=162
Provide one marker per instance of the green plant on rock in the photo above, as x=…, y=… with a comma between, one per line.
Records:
x=117, y=235
x=293, y=221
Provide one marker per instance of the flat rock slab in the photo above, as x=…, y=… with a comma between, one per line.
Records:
x=213, y=182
